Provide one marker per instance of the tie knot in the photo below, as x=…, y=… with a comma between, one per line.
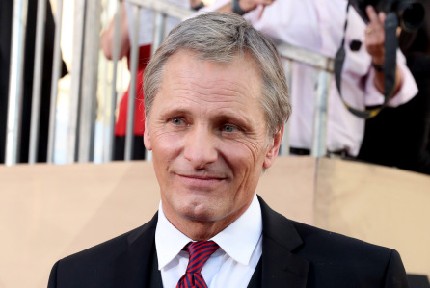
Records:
x=199, y=253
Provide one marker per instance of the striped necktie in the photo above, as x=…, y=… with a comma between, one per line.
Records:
x=199, y=252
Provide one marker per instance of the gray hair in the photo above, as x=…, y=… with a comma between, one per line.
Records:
x=220, y=37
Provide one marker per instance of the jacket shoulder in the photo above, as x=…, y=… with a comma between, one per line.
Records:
x=335, y=255
x=332, y=259
x=107, y=249
x=96, y=266
x=315, y=237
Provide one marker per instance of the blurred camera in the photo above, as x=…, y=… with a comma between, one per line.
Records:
x=410, y=14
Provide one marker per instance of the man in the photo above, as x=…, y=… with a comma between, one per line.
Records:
x=216, y=101
x=318, y=26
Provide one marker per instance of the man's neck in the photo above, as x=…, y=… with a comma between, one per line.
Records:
x=202, y=230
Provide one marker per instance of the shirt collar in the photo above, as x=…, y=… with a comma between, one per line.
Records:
x=238, y=240
x=169, y=241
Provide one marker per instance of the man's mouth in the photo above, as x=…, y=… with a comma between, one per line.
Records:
x=204, y=179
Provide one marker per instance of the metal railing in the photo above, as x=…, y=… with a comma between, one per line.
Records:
x=325, y=68
x=16, y=81
x=84, y=78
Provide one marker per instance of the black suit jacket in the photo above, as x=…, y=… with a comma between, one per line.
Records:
x=294, y=255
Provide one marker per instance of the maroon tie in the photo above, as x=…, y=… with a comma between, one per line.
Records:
x=199, y=252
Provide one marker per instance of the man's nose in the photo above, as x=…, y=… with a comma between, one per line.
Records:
x=200, y=147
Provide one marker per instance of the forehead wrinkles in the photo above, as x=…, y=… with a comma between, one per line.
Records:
x=211, y=90
x=203, y=82
x=186, y=68
x=214, y=105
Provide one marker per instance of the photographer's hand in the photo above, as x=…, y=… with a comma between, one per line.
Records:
x=374, y=36
x=374, y=41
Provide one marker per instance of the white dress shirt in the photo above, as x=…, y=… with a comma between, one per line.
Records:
x=317, y=25
x=233, y=263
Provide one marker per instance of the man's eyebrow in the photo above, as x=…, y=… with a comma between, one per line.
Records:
x=175, y=109
x=236, y=118
x=234, y=115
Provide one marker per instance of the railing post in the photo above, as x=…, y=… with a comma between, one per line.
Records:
x=285, y=147
x=133, y=78
x=56, y=74
x=159, y=30
x=37, y=80
x=76, y=80
x=116, y=42
x=319, y=135
x=20, y=9
x=89, y=85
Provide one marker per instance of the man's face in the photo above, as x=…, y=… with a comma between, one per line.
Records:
x=209, y=139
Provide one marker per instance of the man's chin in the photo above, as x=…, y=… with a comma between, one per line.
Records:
x=201, y=213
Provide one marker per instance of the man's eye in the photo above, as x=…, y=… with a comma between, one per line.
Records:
x=229, y=128
x=177, y=121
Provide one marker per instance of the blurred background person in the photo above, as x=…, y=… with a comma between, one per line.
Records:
x=6, y=15
x=144, y=40
x=401, y=137
x=318, y=26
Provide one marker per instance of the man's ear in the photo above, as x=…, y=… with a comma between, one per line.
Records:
x=273, y=149
x=146, y=138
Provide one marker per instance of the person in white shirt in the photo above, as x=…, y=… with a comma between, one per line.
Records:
x=144, y=41
x=216, y=104
x=317, y=25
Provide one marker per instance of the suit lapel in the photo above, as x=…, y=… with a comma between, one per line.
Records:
x=281, y=268
x=155, y=280
x=137, y=266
